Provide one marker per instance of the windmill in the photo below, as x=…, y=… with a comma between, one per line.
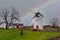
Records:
x=37, y=21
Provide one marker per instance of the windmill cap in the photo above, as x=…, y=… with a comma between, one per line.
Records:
x=38, y=13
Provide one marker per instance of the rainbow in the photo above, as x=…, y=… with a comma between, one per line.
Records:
x=38, y=7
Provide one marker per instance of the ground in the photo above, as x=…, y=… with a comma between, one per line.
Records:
x=14, y=34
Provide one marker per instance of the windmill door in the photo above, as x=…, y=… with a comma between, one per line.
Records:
x=37, y=27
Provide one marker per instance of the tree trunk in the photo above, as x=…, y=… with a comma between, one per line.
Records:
x=6, y=26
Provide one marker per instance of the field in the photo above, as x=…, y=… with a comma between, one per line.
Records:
x=14, y=34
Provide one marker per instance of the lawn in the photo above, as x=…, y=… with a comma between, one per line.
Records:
x=14, y=34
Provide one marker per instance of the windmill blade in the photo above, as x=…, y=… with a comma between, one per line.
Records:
x=33, y=11
x=41, y=15
x=31, y=19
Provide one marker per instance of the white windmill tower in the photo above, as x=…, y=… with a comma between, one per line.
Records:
x=37, y=21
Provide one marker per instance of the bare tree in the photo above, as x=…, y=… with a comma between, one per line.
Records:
x=14, y=16
x=4, y=15
x=54, y=22
x=9, y=16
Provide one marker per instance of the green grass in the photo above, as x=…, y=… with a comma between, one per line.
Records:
x=14, y=34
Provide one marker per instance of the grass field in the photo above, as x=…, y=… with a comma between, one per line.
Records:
x=14, y=34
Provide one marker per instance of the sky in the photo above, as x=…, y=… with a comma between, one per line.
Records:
x=49, y=8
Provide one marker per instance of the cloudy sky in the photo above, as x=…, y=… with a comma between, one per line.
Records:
x=49, y=8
